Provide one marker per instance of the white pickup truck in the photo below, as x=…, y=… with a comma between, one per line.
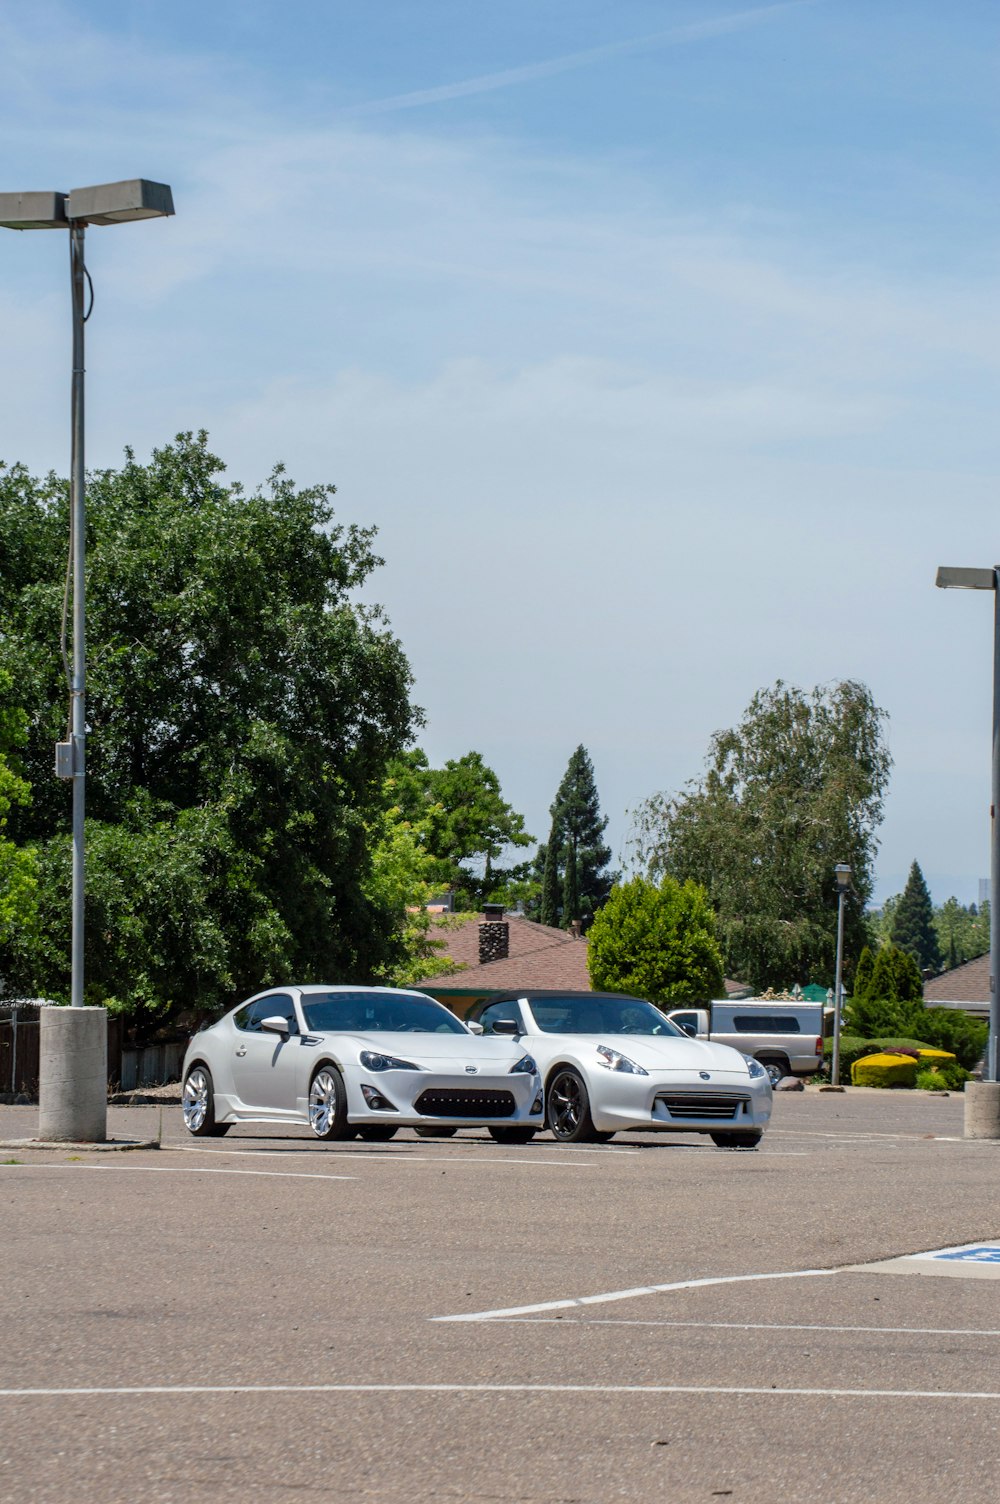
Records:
x=787, y=1038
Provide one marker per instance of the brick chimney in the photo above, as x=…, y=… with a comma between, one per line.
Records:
x=494, y=934
x=576, y=926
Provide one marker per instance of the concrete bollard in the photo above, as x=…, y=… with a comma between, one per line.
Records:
x=982, y=1109
x=73, y=1074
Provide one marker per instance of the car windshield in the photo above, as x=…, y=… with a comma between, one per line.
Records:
x=381, y=1012
x=600, y=1015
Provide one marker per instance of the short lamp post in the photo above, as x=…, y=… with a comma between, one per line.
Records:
x=982, y=1098
x=73, y=1065
x=843, y=875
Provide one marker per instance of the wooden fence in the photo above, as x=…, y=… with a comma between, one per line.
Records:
x=129, y=1065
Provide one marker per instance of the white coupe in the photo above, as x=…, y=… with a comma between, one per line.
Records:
x=357, y=1061
x=610, y=1062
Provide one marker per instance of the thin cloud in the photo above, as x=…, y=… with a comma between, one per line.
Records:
x=486, y=83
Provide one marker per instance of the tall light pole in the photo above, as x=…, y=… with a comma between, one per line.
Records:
x=74, y=1107
x=843, y=875
x=982, y=1099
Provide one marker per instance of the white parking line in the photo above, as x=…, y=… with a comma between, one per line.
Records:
x=751, y=1326
x=772, y=1391
x=386, y=1156
x=183, y=1170
x=590, y=1300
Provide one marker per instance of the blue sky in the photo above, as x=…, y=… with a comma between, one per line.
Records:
x=660, y=341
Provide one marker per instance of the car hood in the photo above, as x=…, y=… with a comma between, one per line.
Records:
x=653, y=1053
x=434, y=1049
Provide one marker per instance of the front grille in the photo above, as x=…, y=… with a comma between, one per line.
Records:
x=465, y=1102
x=723, y=1106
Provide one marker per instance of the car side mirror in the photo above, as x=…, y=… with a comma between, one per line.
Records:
x=473, y=1026
x=689, y=1030
x=276, y=1025
x=506, y=1026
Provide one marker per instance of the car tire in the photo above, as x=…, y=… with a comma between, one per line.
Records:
x=378, y=1133
x=435, y=1132
x=567, y=1109
x=198, y=1104
x=747, y=1139
x=776, y=1069
x=328, y=1105
x=512, y=1135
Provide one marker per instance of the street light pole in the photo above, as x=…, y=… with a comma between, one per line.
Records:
x=982, y=1098
x=843, y=875
x=73, y=1063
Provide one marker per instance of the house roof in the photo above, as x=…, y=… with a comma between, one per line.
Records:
x=969, y=983
x=538, y=956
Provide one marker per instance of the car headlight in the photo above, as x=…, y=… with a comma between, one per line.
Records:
x=613, y=1060
x=373, y=1061
x=523, y=1067
x=754, y=1067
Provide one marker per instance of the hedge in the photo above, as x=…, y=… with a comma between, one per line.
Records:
x=884, y=1070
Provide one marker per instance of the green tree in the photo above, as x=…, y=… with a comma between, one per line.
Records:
x=18, y=868
x=795, y=788
x=963, y=933
x=656, y=941
x=913, y=926
x=575, y=867
x=243, y=705
x=887, y=997
x=463, y=821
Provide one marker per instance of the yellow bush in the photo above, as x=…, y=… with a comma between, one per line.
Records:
x=934, y=1057
x=884, y=1070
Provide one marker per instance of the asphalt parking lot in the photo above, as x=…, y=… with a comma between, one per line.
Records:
x=267, y=1318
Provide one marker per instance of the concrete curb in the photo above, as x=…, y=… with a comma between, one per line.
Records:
x=109, y=1146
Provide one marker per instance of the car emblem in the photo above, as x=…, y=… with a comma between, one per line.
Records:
x=705, y=1075
x=471, y=1070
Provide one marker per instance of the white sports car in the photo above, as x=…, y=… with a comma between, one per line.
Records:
x=610, y=1062
x=356, y=1061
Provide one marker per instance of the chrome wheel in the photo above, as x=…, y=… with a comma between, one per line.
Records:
x=194, y=1101
x=328, y=1104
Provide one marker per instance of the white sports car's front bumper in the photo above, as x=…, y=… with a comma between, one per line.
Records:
x=679, y=1101
x=443, y=1098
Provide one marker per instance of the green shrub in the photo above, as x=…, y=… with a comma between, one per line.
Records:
x=931, y=1081
x=948, y=1075
x=948, y=1029
x=854, y=1048
x=884, y=1070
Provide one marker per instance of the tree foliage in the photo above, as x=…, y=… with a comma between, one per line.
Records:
x=913, y=927
x=888, y=993
x=795, y=788
x=656, y=941
x=463, y=823
x=18, y=874
x=574, y=866
x=242, y=707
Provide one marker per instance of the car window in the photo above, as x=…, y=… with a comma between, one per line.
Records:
x=599, y=1015
x=275, y=1005
x=500, y=1012
x=380, y=1012
x=766, y=1023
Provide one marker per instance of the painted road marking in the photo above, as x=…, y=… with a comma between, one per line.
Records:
x=183, y=1170
x=771, y=1391
x=633, y=1294
x=980, y=1260
x=750, y=1326
x=409, y=1159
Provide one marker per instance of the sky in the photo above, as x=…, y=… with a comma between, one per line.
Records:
x=660, y=341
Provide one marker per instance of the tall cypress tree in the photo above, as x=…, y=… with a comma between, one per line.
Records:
x=913, y=926
x=577, y=872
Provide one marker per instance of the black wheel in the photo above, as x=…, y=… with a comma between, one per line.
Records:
x=328, y=1105
x=435, y=1132
x=568, y=1109
x=776, y=1069
x=198, y=1104
x=378, y=1133
x=512, y=1135
x=747, y=1139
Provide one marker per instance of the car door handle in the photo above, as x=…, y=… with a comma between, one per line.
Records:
x=242, y=1050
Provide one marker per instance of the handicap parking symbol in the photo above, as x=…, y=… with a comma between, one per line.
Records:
x=988, y=1253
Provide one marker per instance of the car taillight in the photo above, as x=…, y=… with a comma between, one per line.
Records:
x=819, y=1046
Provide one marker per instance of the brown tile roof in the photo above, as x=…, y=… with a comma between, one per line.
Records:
x=964, y=984
x=539, y=956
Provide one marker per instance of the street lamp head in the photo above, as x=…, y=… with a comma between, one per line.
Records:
x=842, y=873
x=950, y=578
x=103, y=204
x=118, y=203
x=33, y=211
